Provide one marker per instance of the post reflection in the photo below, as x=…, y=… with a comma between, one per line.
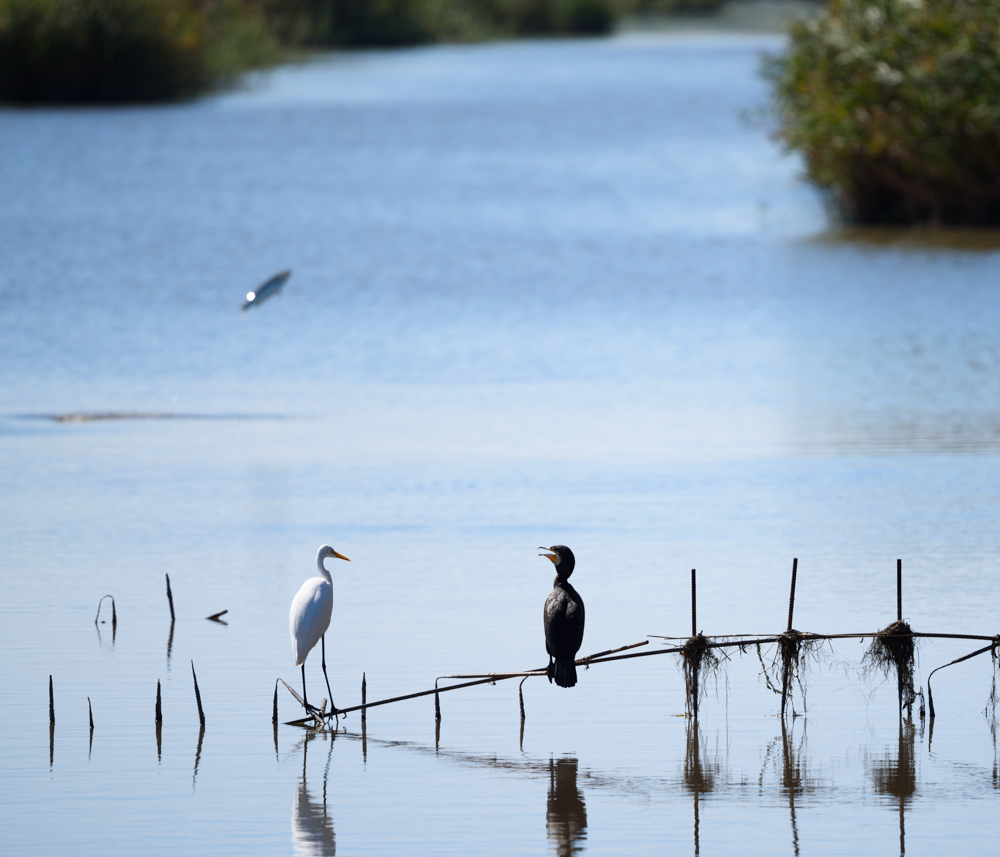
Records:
x=312, y=826
x=699, y=775
x=792, y=778
x=896, y=776
x=197, y=757
x=110, y=646
x=565, y=811
x=792, y=772
x=996, y=759
x=170, y=644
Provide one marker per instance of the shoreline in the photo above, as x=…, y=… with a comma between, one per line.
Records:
x=736, y=16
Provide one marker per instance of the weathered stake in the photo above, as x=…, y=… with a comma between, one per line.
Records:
x=791, y=594
x=159, y=707
x=52, y=704
x=114, y=614
x=170, y=599
x=899, y=590
x=694, y=603
x=364, y=700
x=197, y=696
x=786, y=645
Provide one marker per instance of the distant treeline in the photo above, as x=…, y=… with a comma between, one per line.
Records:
x=895, y=105
x=117, y=51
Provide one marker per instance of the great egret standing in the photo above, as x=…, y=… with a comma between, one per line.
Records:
x=564, y=618
x=309, y=618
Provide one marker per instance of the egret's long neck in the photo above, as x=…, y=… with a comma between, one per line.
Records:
x=322, y=571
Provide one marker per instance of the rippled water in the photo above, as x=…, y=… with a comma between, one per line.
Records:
x=542, y=292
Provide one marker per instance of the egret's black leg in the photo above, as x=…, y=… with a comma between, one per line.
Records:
x=322, y=641
x=305, y=697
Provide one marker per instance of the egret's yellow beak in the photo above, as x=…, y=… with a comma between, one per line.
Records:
x=340, y=556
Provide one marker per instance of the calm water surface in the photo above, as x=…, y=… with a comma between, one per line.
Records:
x=542, y=292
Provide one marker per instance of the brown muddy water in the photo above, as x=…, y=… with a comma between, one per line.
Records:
x=542, y=292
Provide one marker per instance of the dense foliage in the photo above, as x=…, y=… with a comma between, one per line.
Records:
x=96, y=51
x=396, y=22
x=896, y=106
x=117, y=51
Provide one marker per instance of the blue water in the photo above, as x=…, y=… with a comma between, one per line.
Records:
x=542, y=292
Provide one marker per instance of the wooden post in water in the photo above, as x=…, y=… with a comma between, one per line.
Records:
x=197, y=696
x=791, y=594
x=899, y=590
x=170, y=599
x=52, y=705
x=364, y=700
x=694, y=603
x=159, y=706
x=786, y=655
x=694, y=657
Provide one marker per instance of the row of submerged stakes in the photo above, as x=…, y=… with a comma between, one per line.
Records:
x=893, y=649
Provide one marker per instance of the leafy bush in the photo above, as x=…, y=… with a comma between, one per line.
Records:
x=117, y=51
x=400, y=22
x=349, y=22
x=896, y=106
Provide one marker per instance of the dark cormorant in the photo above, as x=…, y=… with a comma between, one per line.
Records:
x=563, y=618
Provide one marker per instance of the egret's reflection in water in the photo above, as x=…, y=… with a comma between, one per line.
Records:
x=565, y=813
x=312, y=826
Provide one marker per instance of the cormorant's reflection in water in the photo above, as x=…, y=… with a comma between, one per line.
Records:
x=699, y=775
x=312, y=827
x=897, y=777
x=565, y=813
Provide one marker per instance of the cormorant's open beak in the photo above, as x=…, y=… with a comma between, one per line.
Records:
x=340, y=556
x=549, y=555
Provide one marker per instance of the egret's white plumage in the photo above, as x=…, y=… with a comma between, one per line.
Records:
x=310, y=615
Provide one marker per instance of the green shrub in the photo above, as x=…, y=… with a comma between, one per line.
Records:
x=895, y=105
x=586, y=17
x=115, y=51
x=349, y=22
x=400, y=22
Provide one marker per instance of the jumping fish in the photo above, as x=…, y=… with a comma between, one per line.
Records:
x=271, y=287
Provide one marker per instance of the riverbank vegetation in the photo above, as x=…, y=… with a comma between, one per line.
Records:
x=119, y=51
x=895, y=105
x=115, y=51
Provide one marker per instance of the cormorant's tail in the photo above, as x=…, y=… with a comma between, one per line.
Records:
x=565, y=673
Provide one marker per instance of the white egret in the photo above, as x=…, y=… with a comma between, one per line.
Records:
x=309, y=618
x=563, y=618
